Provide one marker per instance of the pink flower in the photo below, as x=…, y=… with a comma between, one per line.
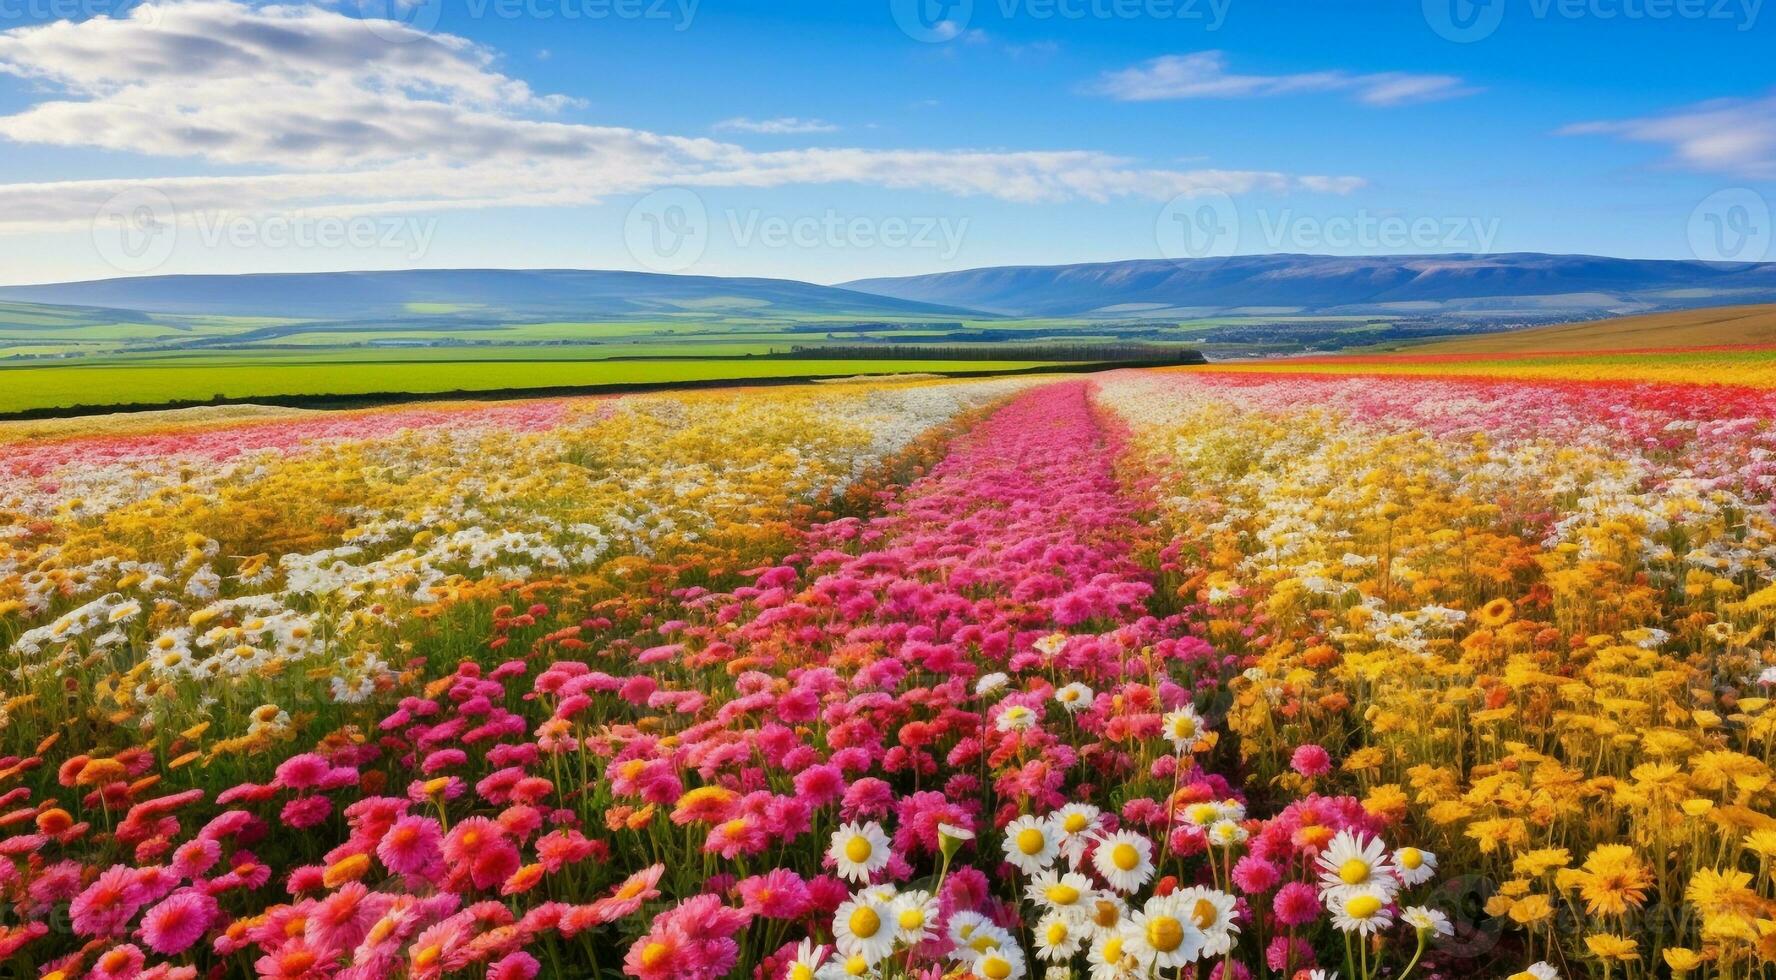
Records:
x=196, y=856
x=625, y=900
x=1310, y=760
x=118, y=963
x=341, y=920
x=178, y=921
x=306, y=812
x=777, y=894
x=1255, y=876
x=305, y=771
x=514, y=966
x=1295, y=904
x=413, y=846
x=108, y=904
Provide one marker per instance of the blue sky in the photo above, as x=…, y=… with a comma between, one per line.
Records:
x=825, y=141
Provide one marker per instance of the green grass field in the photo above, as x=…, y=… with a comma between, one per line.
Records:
x=173, y=380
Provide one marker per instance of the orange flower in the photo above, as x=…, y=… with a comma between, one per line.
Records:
x=346, y=869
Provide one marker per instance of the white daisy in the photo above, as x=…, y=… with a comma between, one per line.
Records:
x=1212, y=912
x=1162, y=935
x=914, y=914
x=1074, y=697
x=1030, y=845
x=1059, y=936
x=1107, y=913
x=990, y=683
x=850, y=967
x=1075, y=824
x=1540, y=970
x=1360, y=910
x=1003, y=963
x=970, y=934
x=1226, y=833
x=1427, y=921
x=1124, y=859
x=977, y=936
x=859, y=850
x=1112, y=956
x=1183, y=727
x=808, y=960
x=1065, y=892
x=861, y=927
x=1016, y=718
x=1349, y=865
x=1414, y=866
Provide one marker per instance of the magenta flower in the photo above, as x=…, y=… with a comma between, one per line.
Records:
x=413, y=846
x=1310, y=760
x=179, y=921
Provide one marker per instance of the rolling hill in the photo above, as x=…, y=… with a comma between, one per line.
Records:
x=1712, y=327
x=501, y=293
x=1476, y=285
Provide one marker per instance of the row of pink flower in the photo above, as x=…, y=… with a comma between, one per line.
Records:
x=223, y=442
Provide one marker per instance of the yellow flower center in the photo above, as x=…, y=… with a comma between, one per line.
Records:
x=653, y=954
x=800, y=971
x=1354, y=872
x=1165, y=933
x=1063, y=894
x=1031, y=841
x=1362, y=907
x=856, y=965
x=995, y=968
x=865, y=922
x=1057, y=932
x=912, y=918
x=1410, y=858
x=1205, y=913
x=858, y=850
x=1113, y=949
x=1075, y=823
x=429, y=955
x=1125, y=856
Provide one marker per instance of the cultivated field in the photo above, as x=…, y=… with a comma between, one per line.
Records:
x=341, y=374
x=1710, y=327
x=1393, y=669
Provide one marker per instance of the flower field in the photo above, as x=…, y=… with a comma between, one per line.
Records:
x=1377, y=671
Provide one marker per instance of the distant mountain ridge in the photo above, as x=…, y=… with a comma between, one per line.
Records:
x=1319, y=284
x=571, y=293
x=1463, y=285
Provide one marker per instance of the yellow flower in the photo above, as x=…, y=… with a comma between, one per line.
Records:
x=1681, y=960
x=1609, y=946
x=1612, y=880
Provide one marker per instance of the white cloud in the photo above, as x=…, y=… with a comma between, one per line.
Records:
x=782, y=125
x=1204, y=75
x=1733, y=136
x=332, y=115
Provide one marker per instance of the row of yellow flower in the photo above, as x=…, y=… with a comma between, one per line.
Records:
x=1533, y=619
